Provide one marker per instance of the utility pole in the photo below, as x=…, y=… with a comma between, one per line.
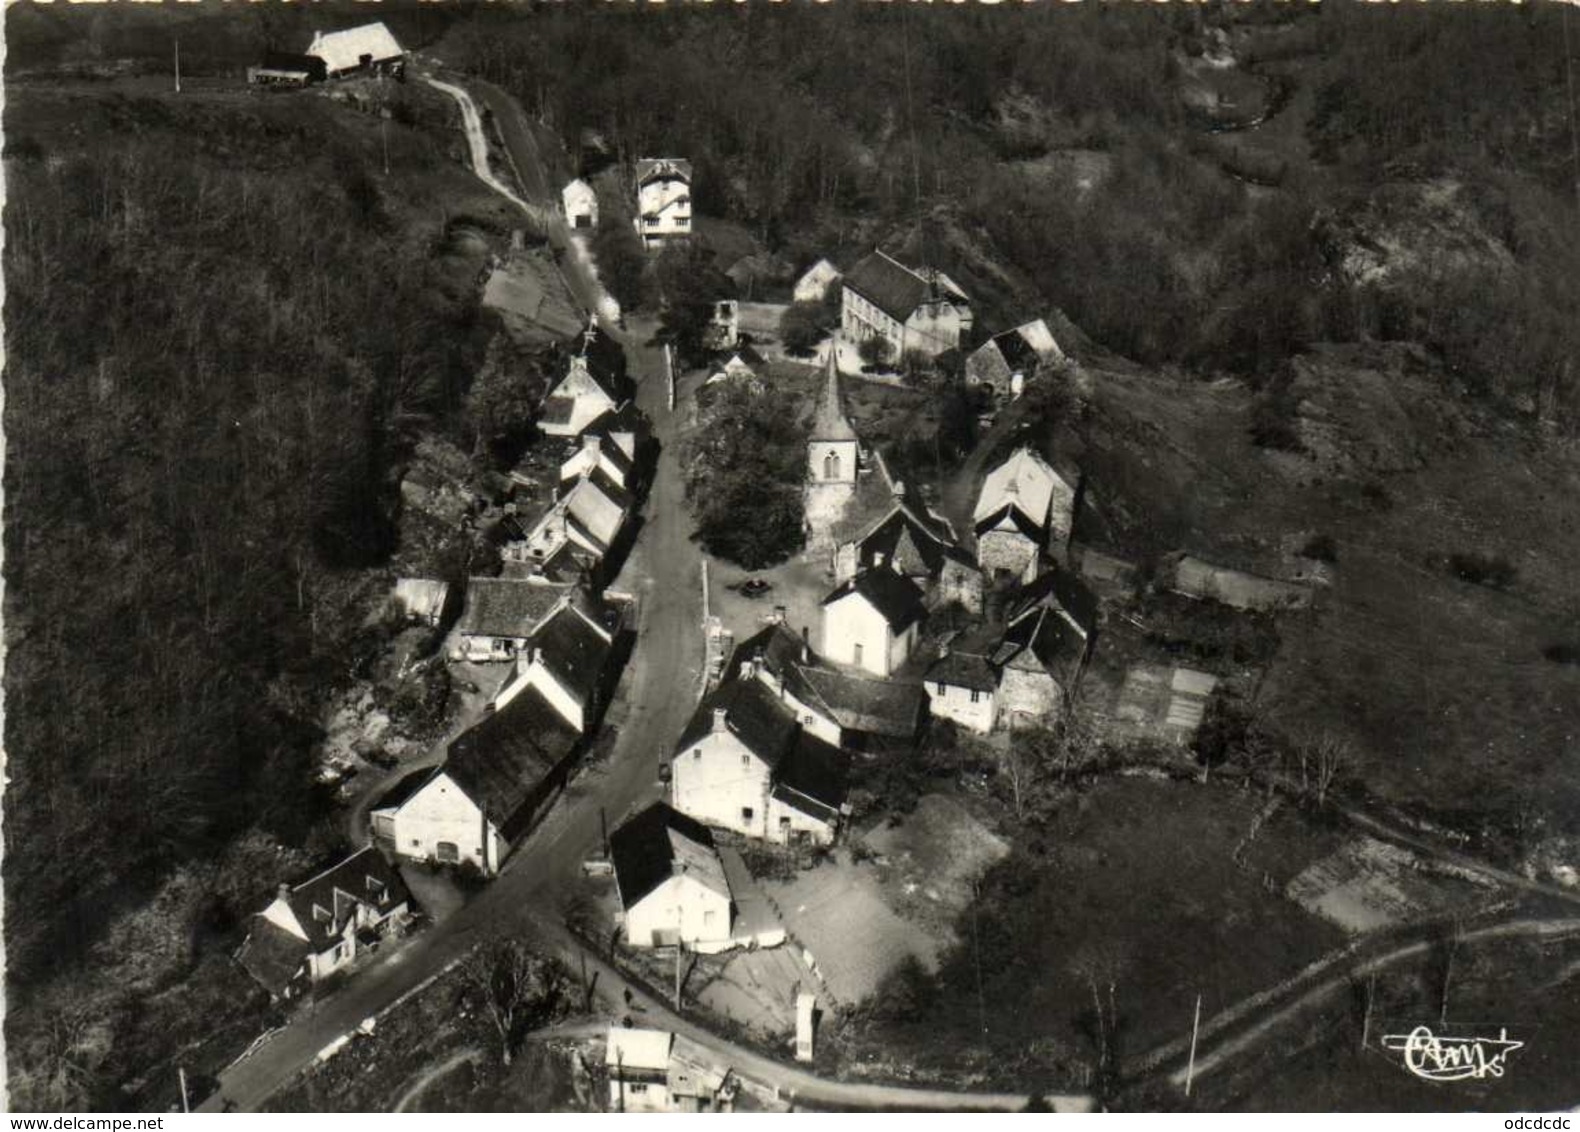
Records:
x=603, y=825
x=181, y=1071
x=1195, y=1028
x=1366, y=1019
x=678, y=950
x=669, y=374
x=178, y=64
x=384, y=136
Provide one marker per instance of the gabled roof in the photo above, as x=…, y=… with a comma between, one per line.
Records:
x=343, y=50
x=1015, y=517
x=889, y=285
x=638, y=1049
x=507, y=607
x=404, y=788
x=1055, y=644
x=626, y=418
x=662, y=168
x=574, y=650
x=874, y=707
x=1026, y=480
x=752, y=714
x=830, y=422
x=963, y=670
x=813, y=778
x=659, y=843
x=323, y=903
x=605, y=449
x=1026, y=346
x=503, y=759
x=272, y=955
x=1057, y=589
x=898, y=600
x=598, y=504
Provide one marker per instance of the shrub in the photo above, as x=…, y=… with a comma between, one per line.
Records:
x=1492, y=571
x=1375, y=494
x=1565, y=652
x=875, y=352
x=1322, y=547
x=802, y=327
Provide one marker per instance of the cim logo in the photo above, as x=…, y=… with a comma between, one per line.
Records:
x=1432, y=1058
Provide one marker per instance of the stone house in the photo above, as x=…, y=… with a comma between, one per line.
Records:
x=1052, y=625
x=671, y=881
x=1005, y=363
x=963, y=686
x=1024, y=509
x=911, y=309
x=872, y=621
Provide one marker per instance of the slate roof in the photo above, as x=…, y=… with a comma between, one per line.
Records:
x=752, y=713
x=897, y=600
x=905, y=544
x=875, y=707
x=557, y=409
x=656, y=844
x=272, y=955
x=1027, y=480
x=1018, y=518
x=813, y=777
x=963, y=670
x=404, y=788
x=1043, y=634
x=657, y=168
x=364, y=877
x=343, y=50
x=502, y=760
x=1060, y=589
x=889, y=285
x=830, y=422
x=507, y=607
x=573, y=651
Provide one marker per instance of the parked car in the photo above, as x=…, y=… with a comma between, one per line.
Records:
x=663, y=771
x=597, y=867
x=755, y=587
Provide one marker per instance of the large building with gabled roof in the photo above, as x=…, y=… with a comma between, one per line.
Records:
x=911, y=309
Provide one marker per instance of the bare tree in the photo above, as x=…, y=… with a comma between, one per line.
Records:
x=1319, y=759
x=519, y=989
x=1100, y=967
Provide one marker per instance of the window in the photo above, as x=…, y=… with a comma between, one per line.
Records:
x=746, y=760
x=831, y=466
x=448, y=851
x=636, y=1087
x=976, y=696
x=707, y=918
x=696, y=756
x=416, y=841
x=941, y=692
x=746, y=813
x=856, y=650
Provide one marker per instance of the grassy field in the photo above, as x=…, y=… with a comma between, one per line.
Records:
x=1134, y=880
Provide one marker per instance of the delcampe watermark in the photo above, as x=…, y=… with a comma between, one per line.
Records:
x=1434, y=1058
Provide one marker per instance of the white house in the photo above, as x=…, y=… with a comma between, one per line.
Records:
x=815, y=282
x=744, y=763
x=909, y=308
x=1024, y=508
x=600, y=454
x=315, y=928
x=496, y=780
x=501, y=614
x=671, y=882
x=370, y=47
x=585, y=393
x=1006, y=362
x=565, y=661
x=872, y=621
x=663, y=200
x=580, y=202
x=588, y=516
x=962, y=686
x=656, y=1071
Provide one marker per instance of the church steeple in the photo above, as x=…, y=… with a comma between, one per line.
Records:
x=830, y=422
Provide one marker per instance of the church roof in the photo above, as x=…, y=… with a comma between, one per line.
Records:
x=830, y=422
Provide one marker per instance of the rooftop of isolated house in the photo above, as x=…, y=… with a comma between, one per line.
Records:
x=897, y=599
x=653, y=846
x=894, y=288
x=501, y=760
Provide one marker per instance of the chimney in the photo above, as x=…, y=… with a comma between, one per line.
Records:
x=806, y=645
x=720, y=719
x=877, y=557
x=590, y=443
x=898, y=489
x=778, y=615
x=284, y=891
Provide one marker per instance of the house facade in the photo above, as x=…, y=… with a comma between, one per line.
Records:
x=1006, y=362
x=663, y=200
x=920, y=310
x=370, y=47
x=962, y=686
x=637, y=1062
x=814, y=283
x=1024, y=509
x=872, y=621
x=313, y=929
x=565, y=661
x=671, y=882
x=577, y=399
x=501, y=615
x=1044, y=650
x=580, y=203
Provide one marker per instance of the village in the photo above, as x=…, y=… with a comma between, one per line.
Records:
x=738, y=818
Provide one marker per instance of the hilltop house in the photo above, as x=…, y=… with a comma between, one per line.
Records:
x=1024, y=508
x=501, y=615
x=580, y=203
x=832, y=452
x=814, y=283
x=566, y=661
x=962, y=686
x=369, y=48
x=315, y=928
x=1006, y=362
x=744, y=763
x=496, y=780
x=872, y=621
x=663, y=200
x=920, y=310
x=1051, y=625
x=841, y=709
x=671, y=881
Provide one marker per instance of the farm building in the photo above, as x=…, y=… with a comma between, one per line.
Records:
x=502, y=614
x=1024, y=508
x=1006, y=362
x=1052, y=624
x=656, y=1071
x=814, y=283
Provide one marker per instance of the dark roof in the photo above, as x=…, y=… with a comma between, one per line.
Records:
x=573, y=651
x=890, y=286
x=1023, y=523
x=752, y=713
x=557, y=410
x=643, y=854
x=272, y=955
x=963, y=670
x=1056, y=644
x=874, y=707
x=1061, y=589
x=507, y=607
x=662, y=168
x=408, y=785
x=905, y=544
x=364, y=877
x=503, y=760
x=1016, y=351
x=289, y=61
x=625, y=418
x=813, y=772
x=829, y=421
x=897, y=599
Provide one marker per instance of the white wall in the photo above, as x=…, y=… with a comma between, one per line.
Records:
x=850, y=622
x=780, y=833
x=441, y=811
x=717, y=778
x=538, y=676
x=649, y=1096
x=681, y=904
x=843, y=450
x=952, y=702
x=1031, y=694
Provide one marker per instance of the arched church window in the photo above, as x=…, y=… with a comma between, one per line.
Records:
x=831, y=466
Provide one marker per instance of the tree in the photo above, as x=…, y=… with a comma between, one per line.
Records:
x=1099, y=967
x=802, y=326
x=621, y=261
x=518, y=989
x=690, y=286
x=1318, y=760
x=875, y=351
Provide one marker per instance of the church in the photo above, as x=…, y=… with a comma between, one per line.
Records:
x=832, y=453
